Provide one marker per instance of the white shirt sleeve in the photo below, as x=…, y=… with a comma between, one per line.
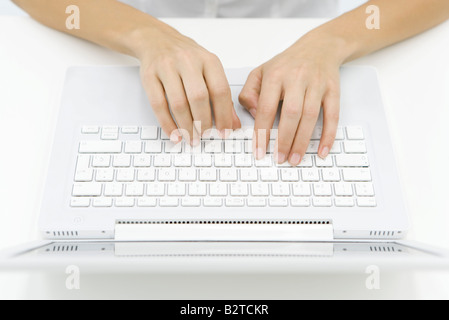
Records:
x=243, y=8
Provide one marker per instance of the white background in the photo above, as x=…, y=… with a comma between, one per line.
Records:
x=414, y=78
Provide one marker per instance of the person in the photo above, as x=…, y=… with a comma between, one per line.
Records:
x=186, y=80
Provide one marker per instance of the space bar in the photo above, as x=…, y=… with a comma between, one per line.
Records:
x=100, y=147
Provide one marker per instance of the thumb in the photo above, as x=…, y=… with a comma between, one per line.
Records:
x=249, y=97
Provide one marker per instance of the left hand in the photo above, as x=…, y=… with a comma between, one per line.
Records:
x=306, y=77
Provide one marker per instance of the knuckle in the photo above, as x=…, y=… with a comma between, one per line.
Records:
x=291, y=110
x=311, y=112
x=221, y=91
x=199, y=96
x=178, y=105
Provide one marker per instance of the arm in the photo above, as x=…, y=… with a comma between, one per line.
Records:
x=172, y=65
x=306, y=76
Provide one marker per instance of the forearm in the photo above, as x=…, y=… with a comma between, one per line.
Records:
x=108, y=23
x=399, y=20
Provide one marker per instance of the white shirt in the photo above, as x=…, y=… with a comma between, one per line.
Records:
x=238, y=8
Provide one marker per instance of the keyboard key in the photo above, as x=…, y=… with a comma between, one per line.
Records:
x=214, y=146
x=228, y=175
x=301, y=189
x=187, y=174
x=153, y=147
x=146, y=202
x=149, y=133
x=104, y=175
x=357, y=175
x=269, y=175
x=173, y=148
x=257, y=202
x=310, y=175
x=84, y=175
x=191, y=202
x=102, y=202
x=280, y=189
x=162, y=160
x=235, y=202
x=213, y=202
x=146, y=175
x=167, y=174
x=87, y=189
x=364, y=189
x=125, y=175
x=355, y=133
x=208, y=174
x=169, y=202
x=80, y=202
x=322, y=189
x=355, y=147
x=176, y=189
x=101, y=161
x=290, y=175
x=322, y=202
x=155, y=189
x=183, y=160
x=142, y=161
x=130, y=130
x=233, y=146
x=260, y=189
x=243, y=161
x=133, y=147
x=218, y=190
x=90, y=130
x=124, y=202
x=109, y=133
x=123, y=161
x=134, y=190
x=322, y=163
x=197, y=189
x=300, y=202
x=343, y=189
x=331, y=175
x=223, y=161
x=239, y=189
x=203, y=160
x=100, y=147
x=249, y=175
x=344, y=202
x=366, y=202
x=278, y=202
x=351, y=160
x=113, y=190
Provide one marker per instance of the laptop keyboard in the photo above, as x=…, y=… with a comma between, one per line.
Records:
x=134, y=166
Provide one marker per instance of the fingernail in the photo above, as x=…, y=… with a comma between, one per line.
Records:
x=295, y=159
x=260, y=153
x=324, y=152
x=175, y=136
x=280, y=158
x=253, y=113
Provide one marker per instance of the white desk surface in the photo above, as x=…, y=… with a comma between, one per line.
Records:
x=414, y=78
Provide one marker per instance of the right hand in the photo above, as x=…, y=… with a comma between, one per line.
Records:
x=182, y=77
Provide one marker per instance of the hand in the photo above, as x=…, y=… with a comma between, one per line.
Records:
x=182, y=77
x=305, y=77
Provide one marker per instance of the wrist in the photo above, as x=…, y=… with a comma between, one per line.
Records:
x=145, y=37
x=335, y=46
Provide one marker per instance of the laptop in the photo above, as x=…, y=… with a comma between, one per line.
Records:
x=120, y=194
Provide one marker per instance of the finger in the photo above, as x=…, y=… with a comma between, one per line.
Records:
x=220, y=95
x=310, y=114
x=158, y=101
x=331, y=115
x=290, y=117
x=198, y=98
x=179, y=106
x=249, y=97
x=266, y=113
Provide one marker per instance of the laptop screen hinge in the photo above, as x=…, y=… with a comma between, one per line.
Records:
x=223, y=231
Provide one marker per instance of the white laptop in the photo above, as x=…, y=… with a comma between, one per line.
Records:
x=120, y=194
